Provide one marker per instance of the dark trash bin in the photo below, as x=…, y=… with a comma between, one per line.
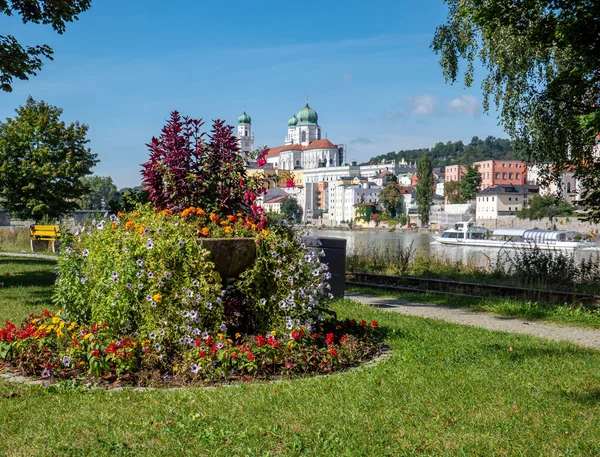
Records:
x=335, y=257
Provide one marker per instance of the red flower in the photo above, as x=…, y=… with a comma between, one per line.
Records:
x=234, y=356
x=332, y=351
x=343, y=339
x=95, y=353
x=201, y=354
x=374, y=324
x=314, y=336
x=273, y=342
x=250, y=356
x=260, y=341
x=198, y=342
x=363, y=322
x=329, y=338
x=208, y=341
x=111, y=349
x=46, y=313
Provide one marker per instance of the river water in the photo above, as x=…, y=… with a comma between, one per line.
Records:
x=424, y=244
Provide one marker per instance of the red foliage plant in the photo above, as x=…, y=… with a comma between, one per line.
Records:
x=187, y=167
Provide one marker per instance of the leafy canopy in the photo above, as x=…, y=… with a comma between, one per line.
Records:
x=42, y=161
x=452, y=192
x=102, y=192
x=470, y=183
x=291, y=209
x=18, y=61
x=546, y=206
x=543, y=72
x=424, y=188
x=391, y=198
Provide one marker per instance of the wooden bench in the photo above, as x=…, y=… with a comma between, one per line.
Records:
x=44, y=237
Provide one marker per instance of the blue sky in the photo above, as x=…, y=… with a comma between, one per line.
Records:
x=366, y=67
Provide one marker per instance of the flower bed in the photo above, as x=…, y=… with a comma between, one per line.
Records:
x=51, y=346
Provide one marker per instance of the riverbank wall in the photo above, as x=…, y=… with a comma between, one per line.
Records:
x=557, y=223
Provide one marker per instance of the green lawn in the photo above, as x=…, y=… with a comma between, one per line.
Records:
x=445, y=390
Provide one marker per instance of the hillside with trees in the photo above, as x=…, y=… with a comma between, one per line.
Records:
x=455, y=153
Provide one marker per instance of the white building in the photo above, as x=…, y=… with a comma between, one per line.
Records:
x=343, y=197
x=503, y=200
x=244, y=133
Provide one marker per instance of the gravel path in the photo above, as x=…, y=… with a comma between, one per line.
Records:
x=584, y=337
x=29, y=255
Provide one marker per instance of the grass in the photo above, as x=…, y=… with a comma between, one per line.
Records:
x=15, y=240
x=25, y=286
x=572, y=314
x=445, y=390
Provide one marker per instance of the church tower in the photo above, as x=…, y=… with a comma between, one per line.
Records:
x=244, y=133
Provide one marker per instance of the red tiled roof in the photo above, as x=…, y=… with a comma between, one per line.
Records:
x=317, y=144
x=321, y=144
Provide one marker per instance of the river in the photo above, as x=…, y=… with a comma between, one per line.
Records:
x=424, y=244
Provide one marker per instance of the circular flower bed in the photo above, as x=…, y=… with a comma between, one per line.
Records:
x=142, y=303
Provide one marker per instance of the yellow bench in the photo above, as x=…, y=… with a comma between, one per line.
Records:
x=44, y=237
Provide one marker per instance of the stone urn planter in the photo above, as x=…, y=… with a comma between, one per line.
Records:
x=231, y=256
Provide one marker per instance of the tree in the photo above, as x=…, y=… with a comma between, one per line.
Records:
x=42, y=161
x=470, y=183
x=20, y=62
x=452, y=192
x=546, y=206
x=543, y=72
x=364, y=211
x=424, y=189
x=391, y=198
x=129, y=199
x=102, y=192
x=291, y=209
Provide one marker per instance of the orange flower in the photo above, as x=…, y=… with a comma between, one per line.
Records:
x=204, y=231
x=228, y=229
x=157, y=298
x=200, y=212
x=114, y=226
x=141, y=229
x=120, y=214
x=231, y=218
x=264, y=233
x=214, y=217
x=224, y=223
x=239, y=214
x=128, y=224
x=136, y=214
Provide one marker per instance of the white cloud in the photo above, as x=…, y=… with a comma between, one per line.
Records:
x=422, y=105
x=465, y=104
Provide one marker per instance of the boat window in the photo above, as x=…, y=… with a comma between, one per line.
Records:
x=447, y=235
x=460, y=235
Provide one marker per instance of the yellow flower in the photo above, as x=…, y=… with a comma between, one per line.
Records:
x=237, y=335
x=221, y=336
x=229, y=341
x=59, y=333
x=41, y=328
x=72, y=326
x=49, y=328
x=273, y=332
x=228, y=230
x=87, y=336
x=264, y=233
x=34, y=321
x=55, y=320
x=290, y=344
x=157, y=298
x=62, y=324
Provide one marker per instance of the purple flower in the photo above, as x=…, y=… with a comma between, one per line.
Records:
x=146, y=231
x=46, y=373
x=160, y=230
x=139, y=274
x=150, y=244
x=152, y=335
x=220, y=345
x=84, y=280
x=149, y=297
x=161, y=283
x=150, y=275
x=181, y=243
x=115, y=276
x=85, y=252
x=205, y=335
x=157, y=346
x=194, y=368
x=274, y=254
x=129, y=286
x=167, y=275
x=140, y=286
x=139, y=262
x=196, y=283
x=209, y=305
x=278, y=274
x=190, y=293
x=223, y=327
x=66, y=362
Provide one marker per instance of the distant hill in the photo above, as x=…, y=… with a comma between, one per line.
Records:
x=456, y=153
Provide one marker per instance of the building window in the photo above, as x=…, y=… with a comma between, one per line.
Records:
x=510, y=208
x=303, y=136
x=503, y=175
x=517, y=175
x=510, y=199
x=516, y=199
x=297, y=163
x=510, y=165
x=497, y=175
x=503, y=165
x=510, y=176
x=568, y=187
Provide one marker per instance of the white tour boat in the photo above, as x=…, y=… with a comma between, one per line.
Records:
x=465, y=234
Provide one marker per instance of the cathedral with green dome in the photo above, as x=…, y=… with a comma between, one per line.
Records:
x=303, y=127
x=244, y=133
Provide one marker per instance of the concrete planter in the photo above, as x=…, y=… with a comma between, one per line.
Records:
x=231, y=256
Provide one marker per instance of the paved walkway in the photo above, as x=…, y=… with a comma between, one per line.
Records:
x=584, y=337
x=30, y=255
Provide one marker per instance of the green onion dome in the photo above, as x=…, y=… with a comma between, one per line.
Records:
x=293, y=121
x=307, y=115
x=244, y=119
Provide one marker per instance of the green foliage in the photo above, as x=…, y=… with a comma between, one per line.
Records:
x=542, y=65
x=392, y=200
x=102, y=192
x=546, y=206
x=470, y=183
x=42, y=162
x=364, y=212
x=452, y=192
x=424, y=189
x=291, y=209
x=17, y=61
x=456, y=153
x=130, y=199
